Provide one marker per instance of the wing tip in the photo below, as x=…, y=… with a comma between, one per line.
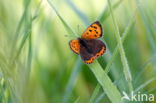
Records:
x=98, y=23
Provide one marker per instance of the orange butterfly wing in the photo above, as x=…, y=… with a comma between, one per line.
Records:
x=94, y=31
x=75, y=46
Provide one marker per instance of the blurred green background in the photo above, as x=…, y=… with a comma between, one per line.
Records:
x=37, y=65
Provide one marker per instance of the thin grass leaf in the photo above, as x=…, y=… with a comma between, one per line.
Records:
x=68, y=28
x=143, y=69
x=22, y=19
x=144, y=85
x=82, y=16
x=27, y=32
x=122, y=53
x=100, y=98
x=150, y=90
x=37, y=11
x=19, y=26
x=72, y=81
x=77, y=100
x=95, y=93
x=9, y=76
x=29, y=58
x=4, y=67
x=106, y=83
x=147, y=25
x=10, y=86
x=29, y=62
x=106, y=11
x=124, y=35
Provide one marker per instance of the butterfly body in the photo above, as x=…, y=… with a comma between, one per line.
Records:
x=85, y=44
x=88, y=46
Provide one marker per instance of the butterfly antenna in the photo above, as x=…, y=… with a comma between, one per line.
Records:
x=69, y=35
x=78, y=29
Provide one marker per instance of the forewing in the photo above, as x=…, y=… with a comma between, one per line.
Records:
x=75, y=46
x=94, y=31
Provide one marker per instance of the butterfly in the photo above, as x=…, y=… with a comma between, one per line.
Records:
x=88, y=46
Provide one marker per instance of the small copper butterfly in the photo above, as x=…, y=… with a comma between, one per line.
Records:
x=88, y=46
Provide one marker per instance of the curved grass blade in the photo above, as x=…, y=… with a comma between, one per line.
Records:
x=27, y=32
x=29, y=61
x=144, y=67
x=124, y=35
x=77, y=100
x=126, y=68
x=145, y=84
x=151, y=91
x=100, y=98
x=82, y=16
x=150, y=34
x=68, y=28
x=95, y=93
x=19, y=26
x=106, y=11
x=72, y=81
x=109, y=88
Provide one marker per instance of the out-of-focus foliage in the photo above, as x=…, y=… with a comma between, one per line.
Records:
x=37, y=65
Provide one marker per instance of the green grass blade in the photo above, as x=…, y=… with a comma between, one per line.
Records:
x=126, y=68
x=77, y=100
x=109, y=88
x=68, y=28
x=147, y=26
x=95, y=93
x=106, y=11
x=22, y=19
x=153, y=90
x=82, y=16
x=124, y=35
x=143, y=69
x=29, y=61
x=18, y=29
x=72, y=81
x=27, y=32
x=100, y=98
x=145, y=84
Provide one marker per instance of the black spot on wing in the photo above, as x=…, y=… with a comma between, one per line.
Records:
x=95, y=27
